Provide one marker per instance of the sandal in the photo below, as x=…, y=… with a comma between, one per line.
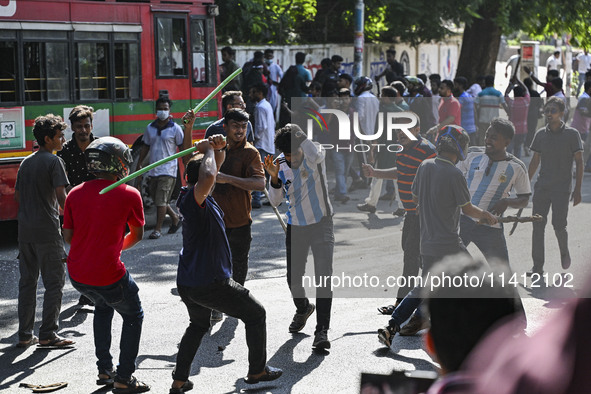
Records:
x=47, y=388
x=57, y=343
x=187, y=386
x=386, y=310
x=25, y=344
x=133, y=386
x=269, y=374
x=110, y=373
x=155, y=235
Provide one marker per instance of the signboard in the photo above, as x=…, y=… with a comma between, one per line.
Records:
x=12, y=128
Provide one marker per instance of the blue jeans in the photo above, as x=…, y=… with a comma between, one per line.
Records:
x=413, y=299
x=121, y=296
x=411, y=237
x=516, y=144
x=299, y=240
x=491, y=241
x=342, y=165
x=228, y=297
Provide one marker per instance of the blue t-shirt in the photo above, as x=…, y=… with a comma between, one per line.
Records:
x=205, y=256
x=467, y=103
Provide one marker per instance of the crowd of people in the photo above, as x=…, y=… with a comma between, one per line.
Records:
x=458, y=171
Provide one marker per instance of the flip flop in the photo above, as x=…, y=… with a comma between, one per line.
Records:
x=106, y=381
x=386, y=310
x=25, y=344
x=174, y=228
x=187, y=386
x=155, y=235
x=57, y=343
x=48, y=388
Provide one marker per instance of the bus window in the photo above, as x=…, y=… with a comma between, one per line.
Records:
x=8, y=71
x=92, y=70
x=170, y=47
x=127, y=73
x=203, y=52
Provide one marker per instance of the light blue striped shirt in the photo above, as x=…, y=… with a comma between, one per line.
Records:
x=305, y=188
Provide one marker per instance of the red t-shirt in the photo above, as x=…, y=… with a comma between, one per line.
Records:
x=450, y=106
x=98, y=224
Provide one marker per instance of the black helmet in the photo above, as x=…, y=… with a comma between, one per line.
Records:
x=453, y=139
x=362, y=84
x=108, y=154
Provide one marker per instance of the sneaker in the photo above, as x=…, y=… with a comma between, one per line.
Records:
x=216, y=315
x=399, y=212
x=321, y=340
x=386, y=334
x=256, y=204
x=533, y=271
x=299, y=319
x=85, y=301
x=341, y=198
x=414, y=325
x=358, y=184
x=366, y=208
x=132, y=386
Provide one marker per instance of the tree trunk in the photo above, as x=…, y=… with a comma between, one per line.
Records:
x=480, y=46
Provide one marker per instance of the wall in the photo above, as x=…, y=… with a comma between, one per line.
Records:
x=441, y=58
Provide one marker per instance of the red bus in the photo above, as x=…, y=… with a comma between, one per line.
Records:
x=118, y=56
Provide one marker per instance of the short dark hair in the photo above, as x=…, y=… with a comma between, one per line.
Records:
x=461, y=316
x=80, y=112
x=47, y=126
x=489, y=80
x=237, y=114
x=503, y=127
x=557, y=83
x=192, y=169
x=398, y=85
x=347, y=77
x=258, y=56
x=553, y=73
x=325, y=63
x=556, y=53
x=269, y=51
x=557, y=101
x=163, y=99
x=422, y=77
x=336, y=58
x=391, y=51
x=300, y=57
x=448, y=83
x=435, y=77
x=260, y=87
x=461, y=81
x=289, y=138
x=389, y=91
x=228, y=97
x=229, y=51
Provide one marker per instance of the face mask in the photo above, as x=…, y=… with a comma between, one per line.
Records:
x=269, y=61
x=162, y=115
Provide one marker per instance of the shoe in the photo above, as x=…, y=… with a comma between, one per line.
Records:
x=133, y=386
x=175, y=227
x=366, y=208
x=341, y=198
x=414, y=325
x=85, y=301
x=399, y=212
x=155, y=235
x=108, y=380
x=321, y=340
x=216, y=315
x=187, y=386
x=358, y=184
x=565, y=260
x=299, y=319
x=387, y=197
x=256, y=205
x=389, y=309
x=268, y=375
x=25, y=344
x=386, y=334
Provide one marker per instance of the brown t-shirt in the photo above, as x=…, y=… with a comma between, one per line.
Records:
x=241, y=161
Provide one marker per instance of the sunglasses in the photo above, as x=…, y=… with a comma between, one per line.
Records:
x=551, y=111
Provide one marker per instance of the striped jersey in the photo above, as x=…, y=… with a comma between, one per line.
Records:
x=305, y=188
x=489, y=181
x=407, y=163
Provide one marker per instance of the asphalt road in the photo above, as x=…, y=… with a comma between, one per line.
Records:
x=364, y=244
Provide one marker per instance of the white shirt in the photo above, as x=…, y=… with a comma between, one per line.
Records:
x=368, y=107
x=584, y=62
x=275, y=75
x=553, y=63
x=264, y=127
x=163, y=144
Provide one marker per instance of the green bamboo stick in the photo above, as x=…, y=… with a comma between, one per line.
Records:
x=179, y=154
